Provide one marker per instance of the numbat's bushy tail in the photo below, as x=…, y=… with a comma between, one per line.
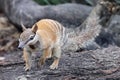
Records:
x=49, y=36
x=85, y=34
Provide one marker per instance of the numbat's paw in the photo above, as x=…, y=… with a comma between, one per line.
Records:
x=53, y=66
x=49, y=56
x=27, y=68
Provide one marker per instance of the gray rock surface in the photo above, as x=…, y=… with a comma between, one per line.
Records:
x=29, y=12
x=100, y=64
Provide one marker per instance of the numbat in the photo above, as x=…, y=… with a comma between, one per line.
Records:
x=49, y=36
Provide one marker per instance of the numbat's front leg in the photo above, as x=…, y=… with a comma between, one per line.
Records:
x=56, y=56
x=48, y=53
x=27, y=59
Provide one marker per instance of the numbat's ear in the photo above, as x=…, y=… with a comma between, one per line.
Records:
x=34, y=28
x=23, y=27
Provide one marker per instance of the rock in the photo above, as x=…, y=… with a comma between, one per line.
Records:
x=114, y=29
x=110, y=33
x=29, y=12
x=21, y=78
x=87, y=65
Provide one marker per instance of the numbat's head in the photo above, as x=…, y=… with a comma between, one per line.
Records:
x=27, y=35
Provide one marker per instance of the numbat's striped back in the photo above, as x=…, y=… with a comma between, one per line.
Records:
x=53, y=30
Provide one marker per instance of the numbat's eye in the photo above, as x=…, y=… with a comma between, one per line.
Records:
x=31, y=37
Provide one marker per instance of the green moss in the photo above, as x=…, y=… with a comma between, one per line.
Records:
x=51, y=2
x=55, y=2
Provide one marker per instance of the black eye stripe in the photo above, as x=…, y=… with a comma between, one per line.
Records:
x=29, y=39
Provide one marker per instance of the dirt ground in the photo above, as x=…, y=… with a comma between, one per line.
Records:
x=100, y=64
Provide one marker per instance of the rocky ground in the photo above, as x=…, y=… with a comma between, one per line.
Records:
x=99, y=64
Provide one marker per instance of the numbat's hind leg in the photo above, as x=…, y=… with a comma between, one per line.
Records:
x=46, y=54
x=56, y=56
